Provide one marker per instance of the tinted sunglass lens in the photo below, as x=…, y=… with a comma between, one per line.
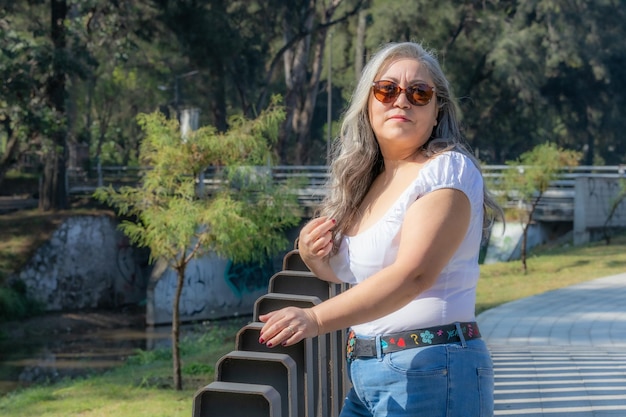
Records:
x=420, y=94
x=386, y=91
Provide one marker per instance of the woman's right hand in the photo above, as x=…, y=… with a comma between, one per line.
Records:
x=316, y=242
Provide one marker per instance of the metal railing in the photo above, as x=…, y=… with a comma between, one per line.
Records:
x=307, y=379
x=557, y=202
x=311, y=180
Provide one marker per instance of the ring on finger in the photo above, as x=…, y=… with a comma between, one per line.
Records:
x=291, y=330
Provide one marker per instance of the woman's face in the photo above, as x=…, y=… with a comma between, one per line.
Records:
x=400, y=127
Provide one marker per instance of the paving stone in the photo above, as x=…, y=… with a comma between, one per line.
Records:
x=561, y=353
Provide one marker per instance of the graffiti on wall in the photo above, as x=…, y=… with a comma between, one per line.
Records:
x=213, y=287
x=248, y=277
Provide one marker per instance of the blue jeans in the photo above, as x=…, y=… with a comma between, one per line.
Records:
x=447, y=380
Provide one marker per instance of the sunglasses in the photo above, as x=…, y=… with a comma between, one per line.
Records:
x=418, y=94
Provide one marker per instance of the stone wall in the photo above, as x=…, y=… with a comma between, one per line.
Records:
x=593, y=202
x=87, y=263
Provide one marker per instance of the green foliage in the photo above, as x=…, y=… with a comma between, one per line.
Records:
x=242, y=218
x=24, y=68
x=529, y=178
x=552, y=52
x=146, y=357
x=530, y=175
x=242, y=223
x=198, y=369
x=14, y=303
x=525, y=72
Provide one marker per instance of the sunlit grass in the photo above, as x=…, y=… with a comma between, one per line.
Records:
x=549, y=269
x=142, y=387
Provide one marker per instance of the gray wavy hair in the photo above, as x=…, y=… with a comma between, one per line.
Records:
x=357, y=159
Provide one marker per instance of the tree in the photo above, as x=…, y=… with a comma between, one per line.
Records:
x=525, y=72
x=241, y=219
x=240, y=47
x=556, y=66
x=530, y=176
x=26, y=115
x=37, y=56
x=125, y=76
x=53, y=192
x=303, y=59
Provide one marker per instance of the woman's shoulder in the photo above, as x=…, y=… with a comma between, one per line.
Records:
x=452, y=161
x=451, y=169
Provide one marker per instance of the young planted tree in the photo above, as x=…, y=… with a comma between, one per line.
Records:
x=242, y=217
x=529, y=178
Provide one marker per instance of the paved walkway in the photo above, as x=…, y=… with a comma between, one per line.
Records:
x=562, y=353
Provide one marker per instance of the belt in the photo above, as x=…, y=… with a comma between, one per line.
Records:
x=394, y=342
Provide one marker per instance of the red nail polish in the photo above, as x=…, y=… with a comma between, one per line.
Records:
x=334, y=221
x=261, y=340
x=269, y=344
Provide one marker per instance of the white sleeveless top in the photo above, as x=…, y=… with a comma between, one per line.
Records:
x=453, y=296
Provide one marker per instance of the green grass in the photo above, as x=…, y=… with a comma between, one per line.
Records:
x=549, y=269
x=141, y=387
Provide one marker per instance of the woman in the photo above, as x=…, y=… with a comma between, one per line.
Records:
x=403, y=221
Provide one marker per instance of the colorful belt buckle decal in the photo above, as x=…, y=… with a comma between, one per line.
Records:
x=350, y=346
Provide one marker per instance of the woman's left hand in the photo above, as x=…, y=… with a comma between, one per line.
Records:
x=288, y=326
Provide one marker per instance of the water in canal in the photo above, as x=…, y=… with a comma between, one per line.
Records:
x=55, y=346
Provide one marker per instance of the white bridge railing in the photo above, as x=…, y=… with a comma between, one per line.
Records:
x=557, y=203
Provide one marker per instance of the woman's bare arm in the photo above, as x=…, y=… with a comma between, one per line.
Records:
x=433, y=229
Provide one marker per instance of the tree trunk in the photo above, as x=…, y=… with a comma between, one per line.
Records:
x=523, y=248
x=302, y=80
x=178, y=379
x=53, y=193
x=11, y=151
x=303, y=115
x=295, y=56
x=295, y=63
x=591, y=138
x=529, y=220
x=359, y=44
x=219, y=97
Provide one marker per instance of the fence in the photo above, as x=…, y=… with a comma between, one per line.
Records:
x=557, y=203
x=310, y=179
x=307, y=379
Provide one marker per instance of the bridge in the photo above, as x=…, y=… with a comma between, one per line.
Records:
x=556, y=204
